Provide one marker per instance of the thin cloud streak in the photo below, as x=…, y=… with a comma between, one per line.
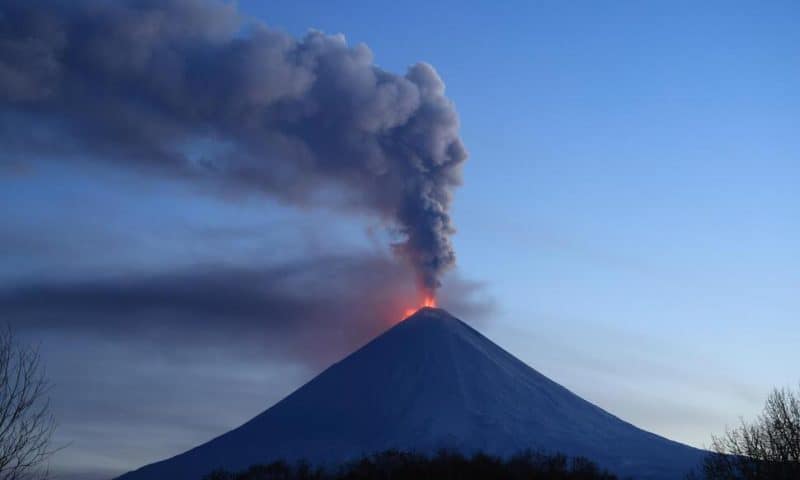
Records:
x=311, y=310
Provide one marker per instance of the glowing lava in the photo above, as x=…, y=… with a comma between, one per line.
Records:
x=428, y=301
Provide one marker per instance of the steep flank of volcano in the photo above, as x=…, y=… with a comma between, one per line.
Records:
x=431, y=382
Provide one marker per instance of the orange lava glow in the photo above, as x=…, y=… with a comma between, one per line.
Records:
x=428, y=301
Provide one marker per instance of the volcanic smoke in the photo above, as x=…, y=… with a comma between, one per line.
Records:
x=192, y=89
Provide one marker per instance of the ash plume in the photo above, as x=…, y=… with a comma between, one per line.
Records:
x=193, y=89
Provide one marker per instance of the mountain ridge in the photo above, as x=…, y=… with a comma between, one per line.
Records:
x=430, y=382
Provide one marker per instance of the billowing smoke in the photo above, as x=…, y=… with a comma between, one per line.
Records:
x=192, y=89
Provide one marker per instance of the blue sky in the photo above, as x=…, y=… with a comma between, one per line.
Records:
x=629, y=207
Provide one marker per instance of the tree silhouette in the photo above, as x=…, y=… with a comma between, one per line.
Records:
x=768, y=448
x=445, y=465
x=26, y=423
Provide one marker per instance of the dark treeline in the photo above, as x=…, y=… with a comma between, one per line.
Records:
x=767, y=448
x=394, y=465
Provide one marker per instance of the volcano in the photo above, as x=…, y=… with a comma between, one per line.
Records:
x=431, y=382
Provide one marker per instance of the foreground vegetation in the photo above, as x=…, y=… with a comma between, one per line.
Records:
x=767, y=448
x=26, y=423
x=394, y=465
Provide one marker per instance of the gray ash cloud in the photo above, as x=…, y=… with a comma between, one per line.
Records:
x=192, y=89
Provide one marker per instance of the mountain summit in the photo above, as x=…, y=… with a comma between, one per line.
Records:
x=427, y=383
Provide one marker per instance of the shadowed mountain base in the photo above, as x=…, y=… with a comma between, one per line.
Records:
x=393, y=465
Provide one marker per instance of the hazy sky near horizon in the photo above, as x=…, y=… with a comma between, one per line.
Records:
x=628, y=226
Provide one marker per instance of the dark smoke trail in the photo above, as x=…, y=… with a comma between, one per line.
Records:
x=190, y=88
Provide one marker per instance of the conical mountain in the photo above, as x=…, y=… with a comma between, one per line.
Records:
x=431, y=382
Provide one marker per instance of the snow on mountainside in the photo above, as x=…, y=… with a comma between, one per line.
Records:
x=431, y=382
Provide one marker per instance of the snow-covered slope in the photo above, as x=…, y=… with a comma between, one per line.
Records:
x=430, y=382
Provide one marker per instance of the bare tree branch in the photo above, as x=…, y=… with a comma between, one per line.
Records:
x=768, y=448
x=26, y=423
